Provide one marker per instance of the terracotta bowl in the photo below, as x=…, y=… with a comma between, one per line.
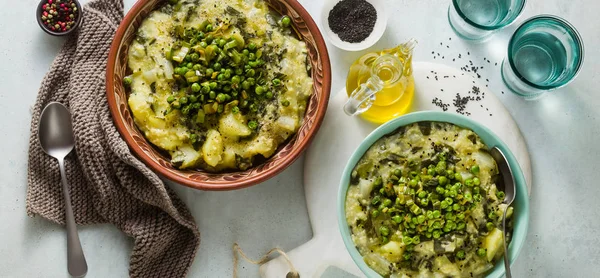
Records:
x=287, y=152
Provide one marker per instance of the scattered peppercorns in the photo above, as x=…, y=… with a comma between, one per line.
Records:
x=59, y=15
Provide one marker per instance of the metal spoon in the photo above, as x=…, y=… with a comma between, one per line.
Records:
x=57, y=140
x=507, y=184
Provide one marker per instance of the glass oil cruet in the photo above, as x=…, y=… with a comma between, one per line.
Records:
x=380, y=85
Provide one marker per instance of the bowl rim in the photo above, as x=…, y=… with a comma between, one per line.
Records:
x=221, y=185
x=487, y=136
x=38, y=15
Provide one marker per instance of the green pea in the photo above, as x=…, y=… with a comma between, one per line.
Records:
x=286, y=21
x=193, y=138
x=197, y=67
x=251, y=57
x=203, y=44
x=500, y=195
x=245, y=52
x=375, y=213
x=221, y=77
x=436, y=234
x=489, y=226
x=209, y=39
x=183, y=100
x=195, y=87
x=170, y=99
x=458, y=176
x=127, y=80
x=476, y=181
x=252, y=124
x=221, y=98
x=269, y=95
x=235, y=110
x=193, y=99
x=407, y=240
x=285, y=103
x=481, y=252
x=212, y=95
x=456, y=207
x=250, y=73
x=195, y=57
x=235, y=80
x=220, y=108
x=190, y=66
x=437, y=214
x=208, y=28
x=217, y=66
x=397, y=219
x=442, y=180
x=253, y=107
x=468, y=196
x=227, y=74
x=213, y=85
x=185, y=110
x=387, y=202
x=460, y=254
x=422, y=194
x=200, y=35
x=492, y=215
x=276, y=82
x=239, y=71
x=384, y=231
x=259, y=90
x=449, y=201
x=469, y=182
x=431, y=172
x=413, y=183
x=443, y=204
x=222, y=43
x=420, y=219
x=252, y=46
x=475, y=169
x=245, y=85
x=461, y=226
x=205, y=89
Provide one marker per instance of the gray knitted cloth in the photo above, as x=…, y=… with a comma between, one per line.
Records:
x=107, y=183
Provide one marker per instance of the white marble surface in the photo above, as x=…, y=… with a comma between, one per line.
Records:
x=561, y=131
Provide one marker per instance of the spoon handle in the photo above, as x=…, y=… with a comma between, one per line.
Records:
x=76, y=263
x=506, y=261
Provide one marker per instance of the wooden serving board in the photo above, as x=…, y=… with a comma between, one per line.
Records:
x=340, y=135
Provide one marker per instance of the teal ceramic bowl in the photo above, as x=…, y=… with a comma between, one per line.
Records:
x=521, y=204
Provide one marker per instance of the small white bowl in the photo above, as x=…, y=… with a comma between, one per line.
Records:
x=376, y=34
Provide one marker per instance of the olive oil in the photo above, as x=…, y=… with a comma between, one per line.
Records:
x=397, y=93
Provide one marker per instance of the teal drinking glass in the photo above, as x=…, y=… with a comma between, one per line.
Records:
x=544, y=53
x=478, y=19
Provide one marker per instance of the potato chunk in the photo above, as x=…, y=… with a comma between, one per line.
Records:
x=213, y=148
